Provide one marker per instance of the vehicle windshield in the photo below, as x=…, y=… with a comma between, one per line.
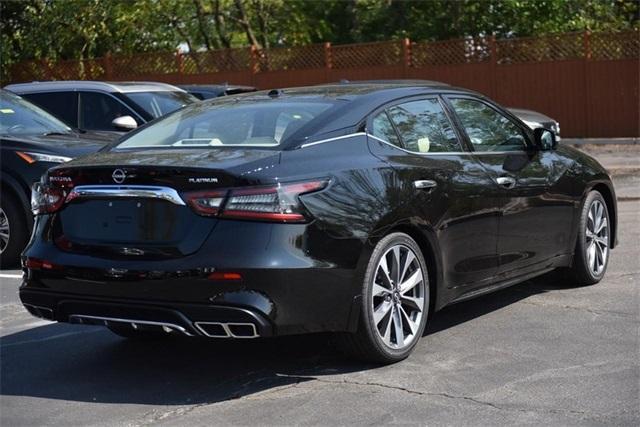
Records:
x=247, y=124
x=20, y=117
x=157, y=104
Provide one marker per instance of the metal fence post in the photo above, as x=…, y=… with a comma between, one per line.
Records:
x=493, y=60
x=328, y=61
x=406, y=56
x=108, y=66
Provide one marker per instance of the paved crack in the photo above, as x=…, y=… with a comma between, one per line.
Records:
x=585, y=309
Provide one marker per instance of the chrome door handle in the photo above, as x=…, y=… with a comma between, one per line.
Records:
x=423, y=184
x=506, y=181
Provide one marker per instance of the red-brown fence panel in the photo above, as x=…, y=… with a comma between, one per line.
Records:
x=589, y=82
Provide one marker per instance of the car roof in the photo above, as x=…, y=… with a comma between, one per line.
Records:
x=122, y=87
x=363, y=92
x=215, y=87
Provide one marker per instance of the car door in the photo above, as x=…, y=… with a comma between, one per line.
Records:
x=98, y=110
x=536, y=221
x=453, y=193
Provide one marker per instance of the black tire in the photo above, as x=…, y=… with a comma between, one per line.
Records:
x=126, y=331
x=18, y=230
x=582, y=270
x=367, y=343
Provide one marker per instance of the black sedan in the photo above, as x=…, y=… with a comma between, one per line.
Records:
x=359, y=209
x=31, y=141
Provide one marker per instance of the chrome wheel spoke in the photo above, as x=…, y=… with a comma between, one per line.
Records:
x=412, y=325
x=603, y=224
x=381, y=311
x=398, y=329
x=409, y=259
x=411, y=282
x=380, y=291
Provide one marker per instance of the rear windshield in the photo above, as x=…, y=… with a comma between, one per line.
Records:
x=157, y=104
x=249, y=124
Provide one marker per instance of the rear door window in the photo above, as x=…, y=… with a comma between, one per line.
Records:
x=424, y=127
x=63, y=105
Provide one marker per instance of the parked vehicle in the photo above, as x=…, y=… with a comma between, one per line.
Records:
x=203, y=92
x=535, y=120
x=358, y=209
x=31, y=141
x=101, y=106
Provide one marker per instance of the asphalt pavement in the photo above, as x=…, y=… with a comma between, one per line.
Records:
x=542, y=352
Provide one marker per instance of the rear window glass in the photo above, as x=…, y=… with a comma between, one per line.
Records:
x=254, y=124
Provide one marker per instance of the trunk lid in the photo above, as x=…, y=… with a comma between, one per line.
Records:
x=132, y=205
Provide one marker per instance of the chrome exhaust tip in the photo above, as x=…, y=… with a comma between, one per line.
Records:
x=227, y=330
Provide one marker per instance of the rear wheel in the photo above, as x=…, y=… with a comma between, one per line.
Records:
x=395, y=302
x=594, y=240
x=13, y=230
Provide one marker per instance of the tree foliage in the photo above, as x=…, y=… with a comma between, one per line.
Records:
x=79, y=29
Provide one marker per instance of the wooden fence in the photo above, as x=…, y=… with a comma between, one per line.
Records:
x=589, y=82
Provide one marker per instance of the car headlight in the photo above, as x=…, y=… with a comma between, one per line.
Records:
x=30, y=157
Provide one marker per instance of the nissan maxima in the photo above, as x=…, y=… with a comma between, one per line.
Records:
x=359, y=209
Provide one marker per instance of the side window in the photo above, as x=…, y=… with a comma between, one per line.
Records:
x=63, y=105
x=383, y=129
x=488, y=130
x=424, y=127
x=98, y=110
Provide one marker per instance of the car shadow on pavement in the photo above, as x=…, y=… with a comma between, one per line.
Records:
x=90, y=364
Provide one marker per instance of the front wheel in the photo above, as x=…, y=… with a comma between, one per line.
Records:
x=395, y=302
x=594, y=241
x=13, y=231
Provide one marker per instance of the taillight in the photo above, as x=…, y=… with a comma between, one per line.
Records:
x=206, y=203
x=276, y=203
x=46, y=199
x=273, y=203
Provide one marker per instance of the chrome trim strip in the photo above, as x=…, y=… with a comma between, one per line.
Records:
x=337, y=138
x=126, y=191
x=227, y=330
x=448, y=153
x=132, y=322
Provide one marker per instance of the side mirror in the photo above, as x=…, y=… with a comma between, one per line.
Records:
x=125, y=123
x=545, y=139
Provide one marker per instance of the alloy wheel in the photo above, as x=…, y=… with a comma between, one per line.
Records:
x=597, y=238
x=4, y=230
x=398, y=297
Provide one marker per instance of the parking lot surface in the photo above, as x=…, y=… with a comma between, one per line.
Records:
x=541, y=352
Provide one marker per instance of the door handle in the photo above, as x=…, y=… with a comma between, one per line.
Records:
x=506, y=181
x=425, y=184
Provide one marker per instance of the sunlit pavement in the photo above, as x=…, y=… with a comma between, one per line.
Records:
x=538, y=353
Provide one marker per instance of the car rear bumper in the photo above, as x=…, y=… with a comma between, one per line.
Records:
x=285, y=286
x=182, y=319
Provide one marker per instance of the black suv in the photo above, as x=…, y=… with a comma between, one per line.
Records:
x=31, y=141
